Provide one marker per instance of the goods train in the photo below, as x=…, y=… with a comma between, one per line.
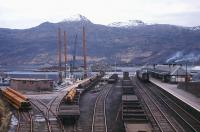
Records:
x=70, y=95
x=126, y=76
x=113, y=78
x=143, y=75
x=83, y=84
x=16, y=99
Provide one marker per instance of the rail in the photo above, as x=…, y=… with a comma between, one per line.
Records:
x=51, y=115
x=159, y=116
x=191, y=122
x=99, y=114
x=25, y=121
x=37, y=105
x=55, y=114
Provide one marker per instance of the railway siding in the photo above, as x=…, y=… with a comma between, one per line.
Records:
x=99, y=114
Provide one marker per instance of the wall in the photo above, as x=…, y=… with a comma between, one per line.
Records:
x=192, y=87
x=39, y=85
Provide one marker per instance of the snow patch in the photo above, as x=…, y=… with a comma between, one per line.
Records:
x=13, y=124
x=77, y=17
x=195, y=28
x=130, y=23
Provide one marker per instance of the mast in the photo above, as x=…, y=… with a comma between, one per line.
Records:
x=65, y=52
x=59, y=55
x=84, y=53
x=74, y=54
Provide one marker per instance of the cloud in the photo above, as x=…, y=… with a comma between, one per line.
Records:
x=32, y=12
x=188, y=19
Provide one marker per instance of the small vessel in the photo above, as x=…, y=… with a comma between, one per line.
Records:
x=69, y=80
x=4, y=81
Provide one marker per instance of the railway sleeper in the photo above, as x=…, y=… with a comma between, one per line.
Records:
x=135, y=115
x=128, y=92
x=132, y=107
x=131, y=103
x=134, y=112
x=135, y=120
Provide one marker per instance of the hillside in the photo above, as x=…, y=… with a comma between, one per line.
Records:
x=138, y=43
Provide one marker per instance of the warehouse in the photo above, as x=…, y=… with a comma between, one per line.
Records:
x=31, y=84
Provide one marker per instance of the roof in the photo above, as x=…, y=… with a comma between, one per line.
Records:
x=179, y=71
x=170, y=69
x=30, y=79
x=196, y=77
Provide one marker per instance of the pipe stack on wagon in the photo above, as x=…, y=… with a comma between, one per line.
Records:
x=70, y=97
x=16, y=99
x=69, y=107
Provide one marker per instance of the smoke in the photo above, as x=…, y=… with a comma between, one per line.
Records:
x=181, y=57
x=177, y=55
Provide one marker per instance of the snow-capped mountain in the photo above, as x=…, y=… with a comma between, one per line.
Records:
x=157, y=43
x=128, y=24
x=75, y=18
x=195, y=28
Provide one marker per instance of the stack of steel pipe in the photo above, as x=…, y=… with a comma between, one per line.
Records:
x=16, y=99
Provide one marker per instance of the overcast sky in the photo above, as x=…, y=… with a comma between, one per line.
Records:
x=28, y=13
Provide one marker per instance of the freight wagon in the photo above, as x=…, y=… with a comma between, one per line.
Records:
x=69, y=98
x=113, y=78
x=143, y=75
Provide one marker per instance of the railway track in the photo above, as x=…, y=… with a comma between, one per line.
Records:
x=40, y=120
x=55, y=125
x=189, y=122
x=25, y=122
x=161, y=117
x=99, y=115
x=51, y=119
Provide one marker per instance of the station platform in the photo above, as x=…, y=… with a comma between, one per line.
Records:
x=184, y=96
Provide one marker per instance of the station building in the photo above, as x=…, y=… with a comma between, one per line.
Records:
x=31, y=84
x=170, y=73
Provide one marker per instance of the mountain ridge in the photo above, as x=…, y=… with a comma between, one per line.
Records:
x=149, y=43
